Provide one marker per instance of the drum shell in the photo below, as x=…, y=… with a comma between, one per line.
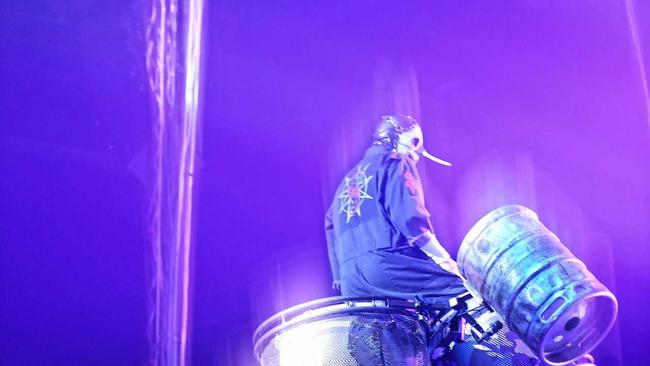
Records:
x=339, y=331
x=543, y=292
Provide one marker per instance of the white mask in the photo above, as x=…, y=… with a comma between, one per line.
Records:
x=404, y=140
x=411, y=143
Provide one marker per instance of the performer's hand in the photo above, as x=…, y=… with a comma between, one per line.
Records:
x=336, y=285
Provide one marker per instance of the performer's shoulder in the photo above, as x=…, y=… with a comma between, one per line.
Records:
x=398, y=164
x=395, y=157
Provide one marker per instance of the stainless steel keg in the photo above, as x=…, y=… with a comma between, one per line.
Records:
x=543, y=292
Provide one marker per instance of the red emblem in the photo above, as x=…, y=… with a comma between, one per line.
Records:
x=411, y=183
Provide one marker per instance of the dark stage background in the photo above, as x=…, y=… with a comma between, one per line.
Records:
x=536, y=103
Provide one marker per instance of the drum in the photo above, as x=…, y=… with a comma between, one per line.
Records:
x=544, y=293
x=343, y=331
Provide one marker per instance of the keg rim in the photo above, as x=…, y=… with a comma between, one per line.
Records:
x=593, y=344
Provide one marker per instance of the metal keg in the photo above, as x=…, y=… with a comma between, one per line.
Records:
x=543, y=292
x=341, y=331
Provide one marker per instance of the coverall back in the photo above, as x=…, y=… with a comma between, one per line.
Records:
x=373, y=226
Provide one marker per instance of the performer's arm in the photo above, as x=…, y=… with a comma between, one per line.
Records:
x=439, y=254
x=404, y=203
x=331, y=250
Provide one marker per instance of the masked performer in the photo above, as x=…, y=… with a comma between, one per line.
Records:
x=381, y=242
x=379, y=235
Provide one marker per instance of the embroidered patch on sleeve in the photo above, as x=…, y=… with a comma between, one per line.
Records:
x=411, y=183
x=354, y=193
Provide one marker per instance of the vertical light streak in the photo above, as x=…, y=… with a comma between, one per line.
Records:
x=155, y=62
x=159, y=170
x=172, y=337
x=175, y=132
x=191, y=119
x=634, y=33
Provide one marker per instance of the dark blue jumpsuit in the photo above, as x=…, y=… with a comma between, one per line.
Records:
x=373, y=227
